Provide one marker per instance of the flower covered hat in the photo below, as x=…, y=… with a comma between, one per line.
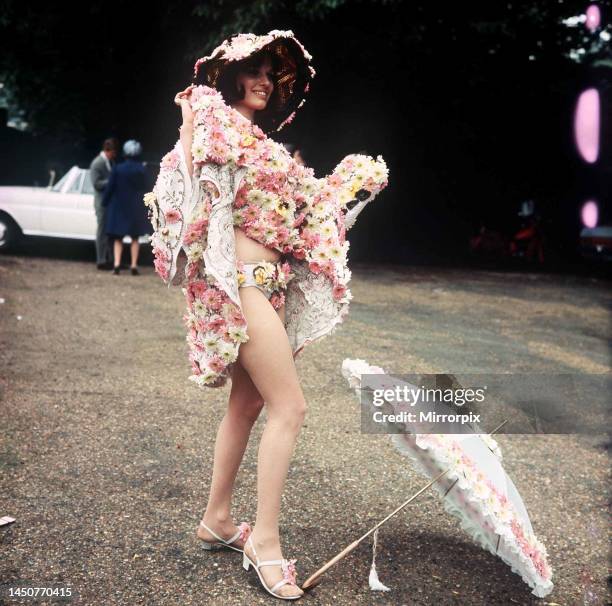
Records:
x=291, y=81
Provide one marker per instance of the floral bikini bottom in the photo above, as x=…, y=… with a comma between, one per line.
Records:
x=270, y=278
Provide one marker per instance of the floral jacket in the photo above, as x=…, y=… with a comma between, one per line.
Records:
x=243, y=178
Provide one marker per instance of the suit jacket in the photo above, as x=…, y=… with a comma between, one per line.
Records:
x=99, y=177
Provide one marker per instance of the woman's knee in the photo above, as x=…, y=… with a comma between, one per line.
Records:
x=291, y=413
x=246, y=409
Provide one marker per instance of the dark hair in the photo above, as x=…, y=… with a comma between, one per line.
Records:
x=292, y=148
x=231, y=93
x=110, y=144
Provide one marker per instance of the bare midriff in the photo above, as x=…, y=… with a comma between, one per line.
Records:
x=251, y=251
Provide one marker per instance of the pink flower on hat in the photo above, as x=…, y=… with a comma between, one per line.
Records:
x=288, y=120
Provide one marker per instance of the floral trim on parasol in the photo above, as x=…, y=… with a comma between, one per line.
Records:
x=498, y=511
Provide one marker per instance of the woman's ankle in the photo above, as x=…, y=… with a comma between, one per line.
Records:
x=265, y=539
x=218, y=517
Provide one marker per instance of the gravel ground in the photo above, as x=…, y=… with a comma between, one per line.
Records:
x=106, y=447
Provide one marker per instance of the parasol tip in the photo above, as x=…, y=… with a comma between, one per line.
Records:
x=311, y=582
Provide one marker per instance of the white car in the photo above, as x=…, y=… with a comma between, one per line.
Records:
x=64, y=210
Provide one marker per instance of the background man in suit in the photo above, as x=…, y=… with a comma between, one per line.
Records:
x=100, y=168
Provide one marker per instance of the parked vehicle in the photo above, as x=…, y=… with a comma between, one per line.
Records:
x=596, y=243
x=63, y=210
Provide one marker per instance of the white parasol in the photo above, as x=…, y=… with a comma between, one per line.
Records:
x=475, y=487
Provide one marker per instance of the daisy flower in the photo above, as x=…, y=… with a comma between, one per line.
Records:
x=238, y=333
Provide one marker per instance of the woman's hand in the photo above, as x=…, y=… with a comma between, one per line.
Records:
x=182, y=100
x=186, y=130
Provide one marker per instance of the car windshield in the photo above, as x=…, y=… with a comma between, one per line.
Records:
x=75, y=181
x=59, y=186
x=87, y=186
x=75, y=186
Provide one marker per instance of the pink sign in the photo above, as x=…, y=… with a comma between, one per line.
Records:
x=593, y=17
x=589, y=214
x=586, y=125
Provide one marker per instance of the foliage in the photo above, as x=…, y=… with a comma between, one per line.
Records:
x=85, y=73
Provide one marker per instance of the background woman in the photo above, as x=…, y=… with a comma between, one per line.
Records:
x=123, y=197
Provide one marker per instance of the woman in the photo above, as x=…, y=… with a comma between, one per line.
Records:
x=123, y=196
x=258, y=244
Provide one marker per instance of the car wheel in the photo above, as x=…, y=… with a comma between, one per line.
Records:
x=9, y=233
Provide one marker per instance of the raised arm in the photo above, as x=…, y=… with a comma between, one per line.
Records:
x=182, y=99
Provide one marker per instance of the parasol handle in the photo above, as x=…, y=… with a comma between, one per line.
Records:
x=313, y=579
x=499, y=427
x=310, y=581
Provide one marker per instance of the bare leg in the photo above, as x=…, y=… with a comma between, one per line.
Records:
x=134, y=249
x=244, y=407
x=117, y=250
x=268, y=359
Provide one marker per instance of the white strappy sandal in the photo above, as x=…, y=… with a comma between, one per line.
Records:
x=244, y=531
x=287, y=567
